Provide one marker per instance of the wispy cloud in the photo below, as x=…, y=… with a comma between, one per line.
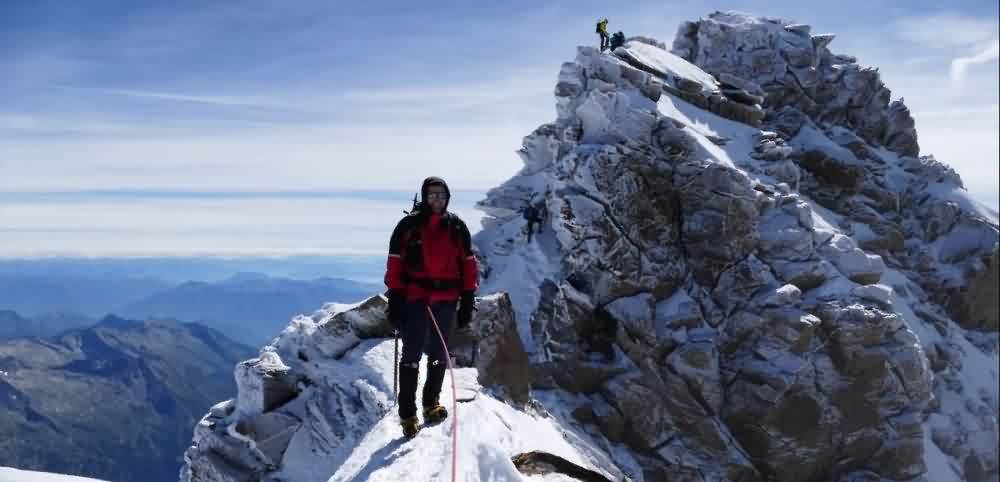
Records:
x=319, y=157
x=148, y=225
x=520, y=92
x=946, y=30
x=950, y=39
x=506, y=85
x=960, y=65
x=220, y=100
x=20, y=124
x=327, y=96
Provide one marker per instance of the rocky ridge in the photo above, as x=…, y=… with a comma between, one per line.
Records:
x=747, y=272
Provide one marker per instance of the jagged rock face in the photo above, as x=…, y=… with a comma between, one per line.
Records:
x=795, y=68
x=719, y=217
x=804, y=389
x=885, y=386
x=974, y=303
x=728, y=97
x=836, y=115
x=977, y=306
x=743, y=322
x=634, y=257
x=491, y=344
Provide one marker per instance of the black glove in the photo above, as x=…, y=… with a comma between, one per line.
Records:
x=396, y=303
x=466, y=304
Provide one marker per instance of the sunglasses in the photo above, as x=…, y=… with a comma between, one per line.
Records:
x=437, y=195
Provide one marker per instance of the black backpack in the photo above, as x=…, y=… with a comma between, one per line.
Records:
x=617, y=40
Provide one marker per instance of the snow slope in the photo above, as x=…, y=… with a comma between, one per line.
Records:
x=8, y=474
x=350, y=431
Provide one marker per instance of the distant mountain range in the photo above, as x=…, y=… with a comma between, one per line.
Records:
x=35, y=294
x=114, y=401
x=364, y=268
x=13, y=325
x=250, y=307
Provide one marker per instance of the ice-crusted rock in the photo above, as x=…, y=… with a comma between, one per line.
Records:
x=877, y=293
x=856, y=264
x=771, y=147
x=888, y=386
x=794, y=296
x=678, y=310
x=796, y=69
x=493, y=346
x=803, y=412
x=851, y=143
x=732, y=98
x=975, y=305
x=311, y=391
x=774, y=267
x=263, y=383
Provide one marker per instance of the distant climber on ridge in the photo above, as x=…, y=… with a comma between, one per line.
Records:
x=431, y=268
x=533, y=213
x=602, y=30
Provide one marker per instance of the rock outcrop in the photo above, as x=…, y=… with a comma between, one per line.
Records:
x=746, y=272
x=740, y=303
x=795, y=68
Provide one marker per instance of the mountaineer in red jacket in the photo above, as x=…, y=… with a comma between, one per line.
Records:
x=431, y=263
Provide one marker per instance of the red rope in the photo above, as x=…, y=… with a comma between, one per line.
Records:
x=454, y=399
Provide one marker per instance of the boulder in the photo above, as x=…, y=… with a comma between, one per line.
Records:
x=263, y=384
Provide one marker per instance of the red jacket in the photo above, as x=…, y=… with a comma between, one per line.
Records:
x=431, y=249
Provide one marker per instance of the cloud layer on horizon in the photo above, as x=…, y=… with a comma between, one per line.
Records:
x=326, y=98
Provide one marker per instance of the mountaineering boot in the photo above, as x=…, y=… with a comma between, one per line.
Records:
x=410, y=426
x=407, y=400
x=435, y=414
x=433, y=411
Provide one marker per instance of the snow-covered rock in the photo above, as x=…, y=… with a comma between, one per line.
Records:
x=316, y=390
x=678, y=310
x=9, y=474
x=493, y=346
x=723, y=289
x=771, y=247
x=797, y=69
x=263, y=383
x=853, y=262
x=877, y=293
x=732, y=98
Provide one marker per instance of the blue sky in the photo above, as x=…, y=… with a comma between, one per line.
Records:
x=186, y=127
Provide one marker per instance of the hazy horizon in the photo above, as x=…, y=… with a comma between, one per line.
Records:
x=251, y=129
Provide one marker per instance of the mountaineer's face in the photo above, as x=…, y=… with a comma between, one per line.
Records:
x=437, y=198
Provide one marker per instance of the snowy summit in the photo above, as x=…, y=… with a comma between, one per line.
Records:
x=746, y=270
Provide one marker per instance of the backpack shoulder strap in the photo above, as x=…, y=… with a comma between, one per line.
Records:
x=459, y=231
